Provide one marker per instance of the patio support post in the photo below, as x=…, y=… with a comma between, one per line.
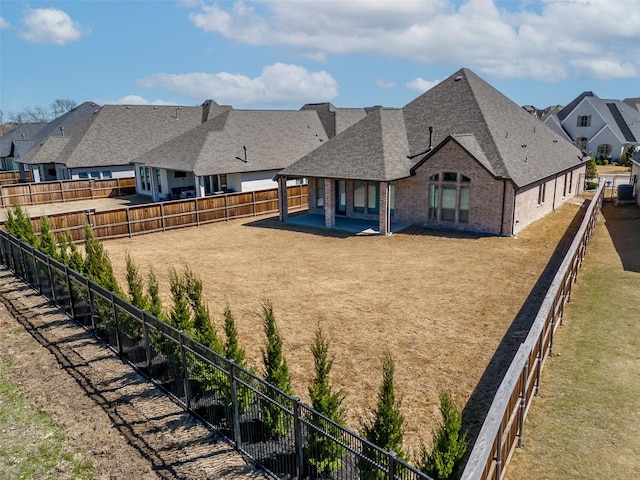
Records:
x=384, y=209
x=283, y=199
x=155, y=195
x=329, y=203
x=200, y=187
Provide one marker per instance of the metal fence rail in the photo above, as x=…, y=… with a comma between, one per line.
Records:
x=502, y=430
x=230, y=399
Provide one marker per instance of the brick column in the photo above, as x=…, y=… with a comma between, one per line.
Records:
x=283, y=199
x=329, y=203
x=383, y=208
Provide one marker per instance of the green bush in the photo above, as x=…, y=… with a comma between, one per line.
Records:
x=276, y=373
x=386, y=429
x=325, y=454
x=444, y=459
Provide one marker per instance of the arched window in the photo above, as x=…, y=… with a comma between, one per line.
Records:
x=449, y=194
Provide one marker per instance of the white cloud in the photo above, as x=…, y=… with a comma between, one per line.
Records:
x=544, y=40
x=422, y=85
x=3, y=23
x=278, y=85
x=380, y=83
x=50, y=25
x=132, y=100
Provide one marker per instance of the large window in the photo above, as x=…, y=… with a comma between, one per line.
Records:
x=604, y=151
x=542, y=192
x=584, y=120
x=449, y=197
x=366, y=196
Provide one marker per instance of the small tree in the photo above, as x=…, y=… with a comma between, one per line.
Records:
x=203, y=330
x=386, y=429
x=20, y=226
x=180, y=316
x=324, y=453
x=276, y=373
x=153, y=292
x=136, y=285
x=628, y=153
x=591, y=169
x=444, y=460
x=97, y=265
x=48, y=243
x=233, y=351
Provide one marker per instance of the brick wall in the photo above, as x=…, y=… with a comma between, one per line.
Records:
x=485, y=199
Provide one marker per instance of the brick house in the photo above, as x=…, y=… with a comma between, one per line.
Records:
x=461, y=156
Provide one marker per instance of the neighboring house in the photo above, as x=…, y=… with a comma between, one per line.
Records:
x=601, y=128
x=103, y=144
x=635, y=175
x=23, y=132
x=55, y=128
x=461, y=156
x=237, y=151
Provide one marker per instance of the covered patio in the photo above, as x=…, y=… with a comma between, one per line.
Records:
x=345, y=224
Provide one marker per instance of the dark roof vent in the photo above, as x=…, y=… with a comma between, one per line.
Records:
x=458, y=78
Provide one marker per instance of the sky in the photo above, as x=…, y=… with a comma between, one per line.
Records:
x=284, y=53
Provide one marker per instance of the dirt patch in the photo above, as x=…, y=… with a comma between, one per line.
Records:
x=124, y=425
x=441, y=302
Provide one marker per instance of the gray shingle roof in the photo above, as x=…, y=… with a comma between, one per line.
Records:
x=375, y=148
x=116, y=134
x=273, y=139
x=24, y=132
x=509, y=142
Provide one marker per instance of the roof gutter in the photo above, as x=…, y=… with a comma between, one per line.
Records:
x=411, y=157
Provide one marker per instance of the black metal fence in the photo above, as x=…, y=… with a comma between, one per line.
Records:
x=285, y=437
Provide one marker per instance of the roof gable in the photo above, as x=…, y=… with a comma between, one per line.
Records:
x=515, y=144
x=119, y=133
x=375, y=148
x=273, y=139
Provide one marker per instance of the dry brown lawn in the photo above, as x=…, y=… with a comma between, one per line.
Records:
x=440, y=302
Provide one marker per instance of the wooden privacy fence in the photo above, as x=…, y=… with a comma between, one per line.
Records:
x=502, y=429
x=65, y=191
x=12, y=177
x=234, y=401
x=162, y=216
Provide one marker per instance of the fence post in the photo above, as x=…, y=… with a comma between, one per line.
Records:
x=90, y=294
x=162, y=216
x=253, y=202
x=72, y=308
x=185, y=372
x=297, y=430
x=30, y=194
x=499, y=453
x=145, y=329
x=539, y=363
x=117, y=324
x=1, y=197
x=233, y=383
x=523, y=402
x=552, y=327
x=52, y=283
x=37, y=270
x=126, y=210
x=391, y=464
x=197, y=212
